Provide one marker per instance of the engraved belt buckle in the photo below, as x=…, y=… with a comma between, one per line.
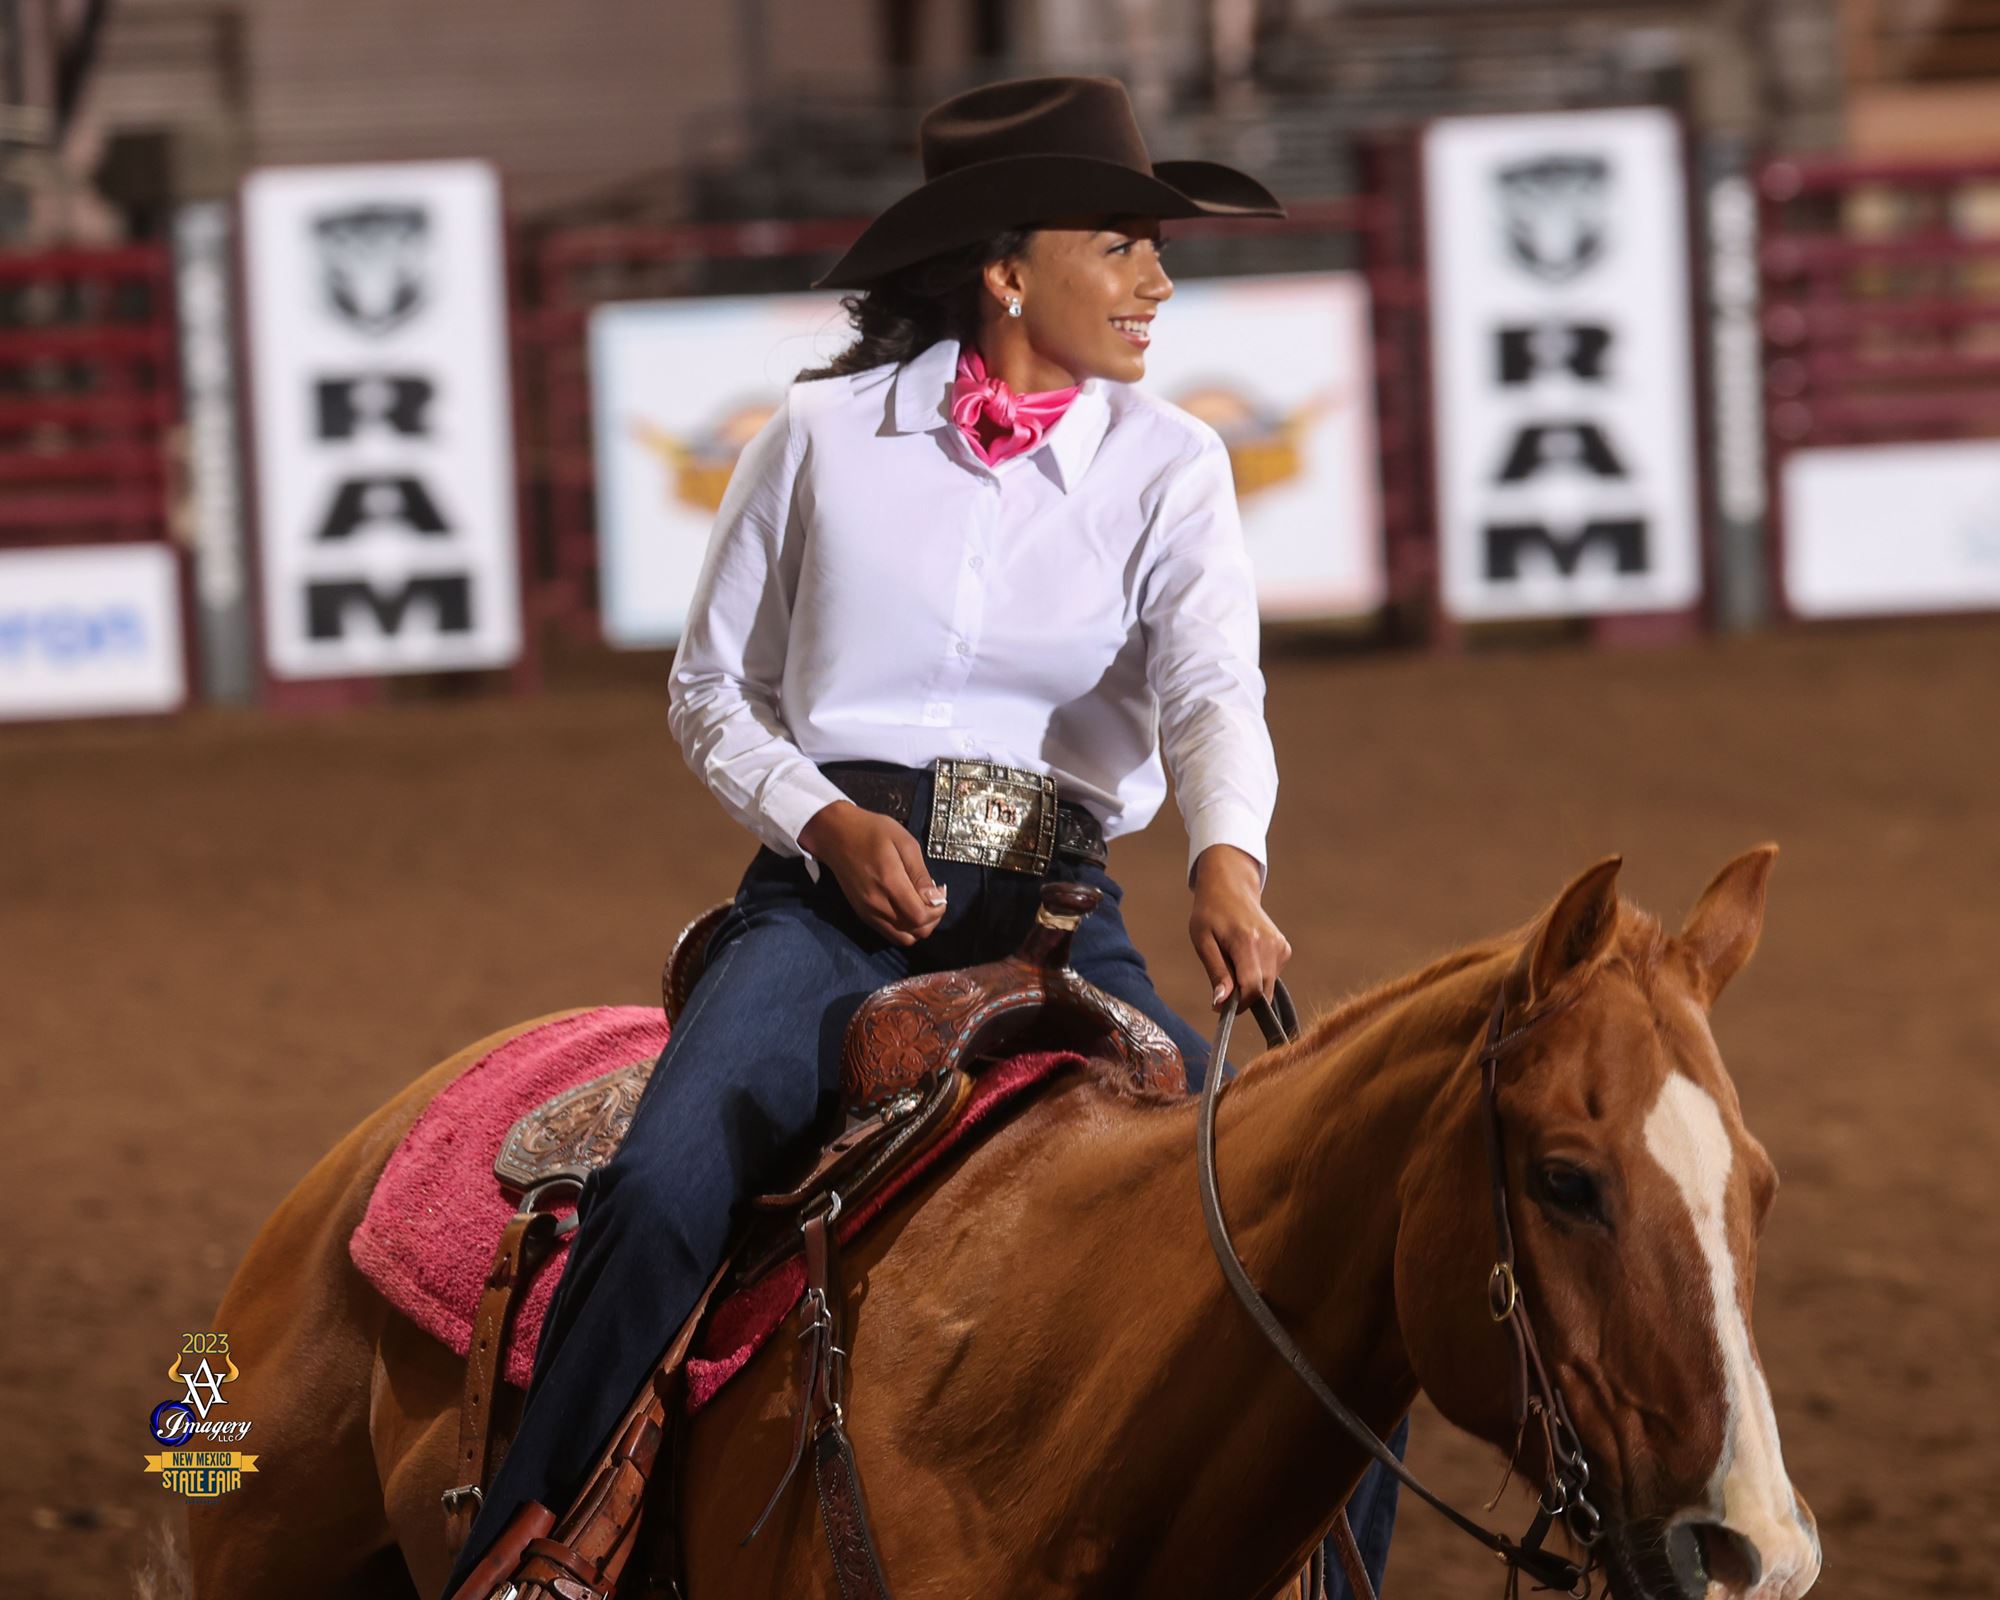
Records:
x=992, y=816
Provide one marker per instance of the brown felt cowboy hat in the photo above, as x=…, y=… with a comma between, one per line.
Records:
x=1006, y=155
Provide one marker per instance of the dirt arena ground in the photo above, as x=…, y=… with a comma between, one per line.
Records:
x=228, y=938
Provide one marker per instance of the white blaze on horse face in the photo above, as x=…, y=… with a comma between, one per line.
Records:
x=1749, y=1493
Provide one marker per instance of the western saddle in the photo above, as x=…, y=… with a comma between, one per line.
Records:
x=909, y=1058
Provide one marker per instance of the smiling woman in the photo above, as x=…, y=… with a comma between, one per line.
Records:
x=971, y=597
x=1046, y=307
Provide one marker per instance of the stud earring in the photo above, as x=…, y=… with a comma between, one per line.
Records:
x=1013, y=308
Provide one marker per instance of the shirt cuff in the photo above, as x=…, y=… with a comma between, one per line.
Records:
x=792, y=802
x=1228, y=823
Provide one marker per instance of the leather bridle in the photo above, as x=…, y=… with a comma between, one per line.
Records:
x=1535, y=1392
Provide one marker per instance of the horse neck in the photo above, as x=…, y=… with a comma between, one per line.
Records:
x=1319, y=1133
x=1311, y=1146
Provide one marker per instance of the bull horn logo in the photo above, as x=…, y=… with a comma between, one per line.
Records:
x=1554, y=212
x=374, y=263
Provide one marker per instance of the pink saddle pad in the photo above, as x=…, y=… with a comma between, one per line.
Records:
x=437, y=1212
x=428, y=1235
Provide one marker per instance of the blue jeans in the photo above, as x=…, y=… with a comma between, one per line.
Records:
x=749, y=1078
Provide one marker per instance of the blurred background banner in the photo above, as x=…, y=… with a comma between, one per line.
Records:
x=1853, y=549
x=1280, y=367
x=382, y=414
x=678, y=388
x=1567, y=475
x=89, y=630
x=441, y=343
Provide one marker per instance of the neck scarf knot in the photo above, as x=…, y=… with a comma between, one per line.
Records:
x=997, y=422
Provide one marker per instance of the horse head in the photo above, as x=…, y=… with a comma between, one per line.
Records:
x=1636, y=1197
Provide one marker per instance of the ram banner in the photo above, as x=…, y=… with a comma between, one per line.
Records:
x=384, y=449
x=1567, y=472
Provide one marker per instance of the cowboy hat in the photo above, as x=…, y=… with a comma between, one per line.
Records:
x=1031, y=150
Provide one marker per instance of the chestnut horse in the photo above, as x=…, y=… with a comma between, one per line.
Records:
x=1052, y=1392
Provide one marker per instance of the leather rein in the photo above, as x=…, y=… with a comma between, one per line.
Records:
x=1535, y=1393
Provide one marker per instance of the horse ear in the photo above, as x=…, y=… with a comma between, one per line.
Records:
x=1577, y=929
x=1724, y=926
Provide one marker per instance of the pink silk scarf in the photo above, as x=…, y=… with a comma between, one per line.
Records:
x=1011, y=422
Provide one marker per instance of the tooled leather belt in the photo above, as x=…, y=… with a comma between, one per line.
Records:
x=980, y=812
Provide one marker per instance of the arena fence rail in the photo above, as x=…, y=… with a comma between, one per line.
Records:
x=1880, y=286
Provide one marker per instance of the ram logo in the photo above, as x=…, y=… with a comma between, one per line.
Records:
x=1553, y=211
x=374, y=261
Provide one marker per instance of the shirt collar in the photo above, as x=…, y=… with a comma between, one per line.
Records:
x=922, y=403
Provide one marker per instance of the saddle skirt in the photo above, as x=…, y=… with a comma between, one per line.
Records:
x=428, y=1235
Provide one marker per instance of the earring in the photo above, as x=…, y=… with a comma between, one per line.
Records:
x=1013, y=308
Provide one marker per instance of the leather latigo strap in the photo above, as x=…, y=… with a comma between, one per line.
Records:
x=857, y=1568
x=821, y=1422
x=524, y=1242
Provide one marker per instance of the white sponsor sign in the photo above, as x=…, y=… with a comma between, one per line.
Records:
x=90, y=630
x=679, y=387
x=1280, y=367
x=1564, y=399
x=1875, y=529
x=385, y=482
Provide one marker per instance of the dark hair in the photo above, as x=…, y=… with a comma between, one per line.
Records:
x=906, y=312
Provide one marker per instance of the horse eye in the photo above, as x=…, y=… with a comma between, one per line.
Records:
x=1573, y=1190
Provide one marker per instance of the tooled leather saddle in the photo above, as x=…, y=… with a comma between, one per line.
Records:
x=908, y=1060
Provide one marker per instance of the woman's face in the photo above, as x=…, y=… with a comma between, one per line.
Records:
x=1088, y=289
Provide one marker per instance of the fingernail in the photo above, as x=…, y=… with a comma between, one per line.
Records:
x=1221, y=993
x=935, y=894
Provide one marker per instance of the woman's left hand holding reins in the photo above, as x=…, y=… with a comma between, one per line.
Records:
x=1239, y=945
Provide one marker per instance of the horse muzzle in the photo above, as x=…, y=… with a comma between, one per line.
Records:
x=1694, y=1560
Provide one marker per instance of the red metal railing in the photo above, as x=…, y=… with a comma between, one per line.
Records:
x=1881, y=311
x=1881, y=296
x=89, y=395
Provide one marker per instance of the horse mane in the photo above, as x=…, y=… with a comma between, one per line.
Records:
x=1639, y=947
x=1347, y=1015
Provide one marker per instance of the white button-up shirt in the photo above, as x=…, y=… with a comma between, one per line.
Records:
x=872, y=591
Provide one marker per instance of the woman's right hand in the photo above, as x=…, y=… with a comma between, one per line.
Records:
x=880, y=868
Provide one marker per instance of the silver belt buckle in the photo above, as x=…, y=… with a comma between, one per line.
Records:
x=992, y=816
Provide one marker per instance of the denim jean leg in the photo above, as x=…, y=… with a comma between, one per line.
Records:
x=1103, y=952
x=750, y=1072
x=1371, y=1512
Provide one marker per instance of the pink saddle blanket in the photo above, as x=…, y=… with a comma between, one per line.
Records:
x=428, y=1235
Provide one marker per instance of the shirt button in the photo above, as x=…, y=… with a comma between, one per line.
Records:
x=978, y=562
x=963, y=648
